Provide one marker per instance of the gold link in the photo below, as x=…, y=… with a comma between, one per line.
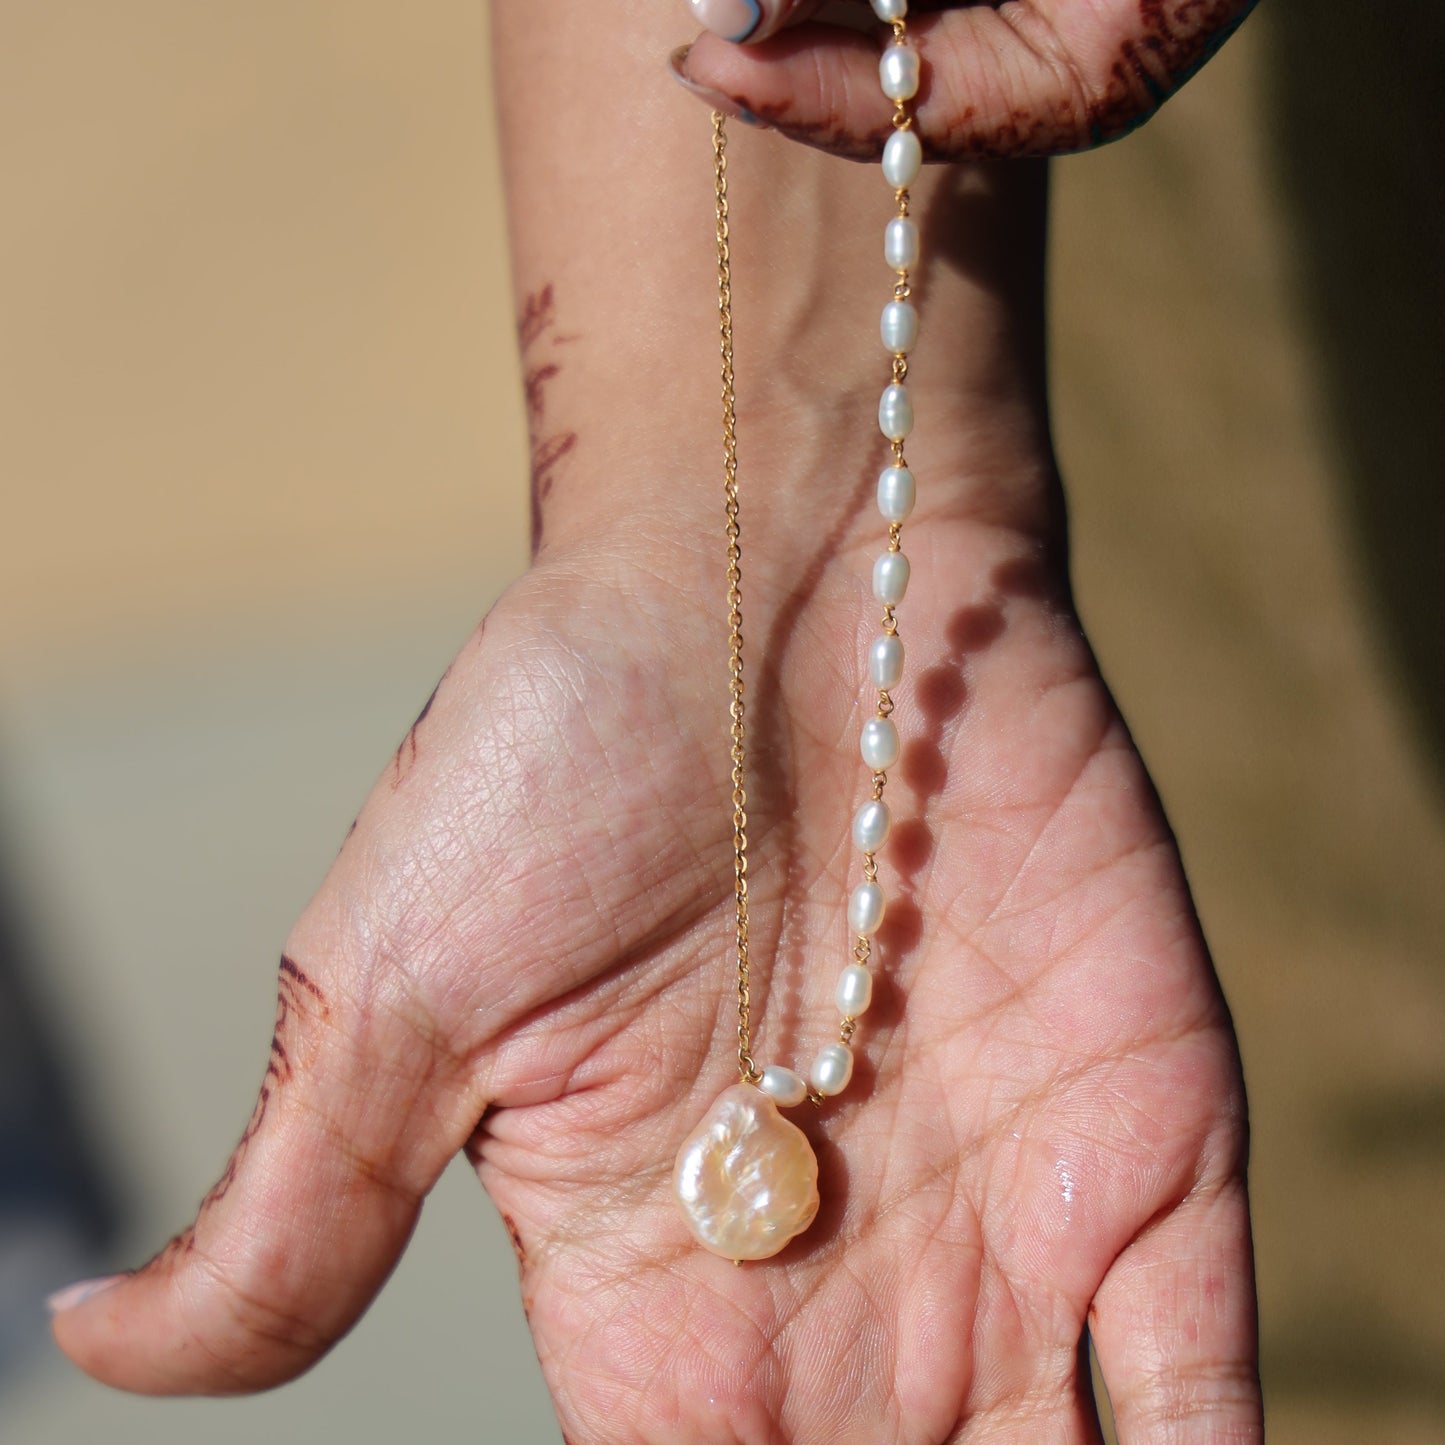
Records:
x=747, y=1069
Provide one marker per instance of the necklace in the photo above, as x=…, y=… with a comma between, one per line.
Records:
x=747, y=1178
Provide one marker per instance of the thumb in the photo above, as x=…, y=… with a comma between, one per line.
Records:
x=305, y=1223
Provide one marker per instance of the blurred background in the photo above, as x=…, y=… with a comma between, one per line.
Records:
x=262, y=461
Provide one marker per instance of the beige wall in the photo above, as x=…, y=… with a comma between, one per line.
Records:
x=259, y=421
x=258, y=342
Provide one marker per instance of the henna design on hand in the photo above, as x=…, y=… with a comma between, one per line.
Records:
x=408, y=744
x=1174, y=38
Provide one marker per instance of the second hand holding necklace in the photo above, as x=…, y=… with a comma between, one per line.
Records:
x=746, y=1178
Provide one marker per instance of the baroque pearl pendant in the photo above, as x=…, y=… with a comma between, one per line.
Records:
x=747, y=1179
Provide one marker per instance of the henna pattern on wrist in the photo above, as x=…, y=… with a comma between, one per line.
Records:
x=538, y=322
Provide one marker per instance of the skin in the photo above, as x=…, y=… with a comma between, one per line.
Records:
x=523, y=949
x=1009, y=78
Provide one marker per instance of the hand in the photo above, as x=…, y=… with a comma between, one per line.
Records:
x=523, y=950
x=1022, y=77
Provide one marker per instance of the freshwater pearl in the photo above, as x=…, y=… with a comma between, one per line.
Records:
x=902, y=158
x=885, y=661
x=898, y=72
x=900, y=243
x=879, y=744
x=890, y=578
x=895, y=412
x=896, y=493
x=747, y=1179
x=832, y=1069
x=783, y=1085
x=870, y=825
x=898, y=326
x=890, y=10
x=865, y=909
x=855, y=991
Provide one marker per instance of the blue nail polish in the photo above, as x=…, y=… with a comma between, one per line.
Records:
x=733, y=20
x=757, y=20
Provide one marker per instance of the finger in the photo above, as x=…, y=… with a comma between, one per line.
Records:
x=748, y=21
x=300, y=1231
x=1175, y=1330
x=1014, y=81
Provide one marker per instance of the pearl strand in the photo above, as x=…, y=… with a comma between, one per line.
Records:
x=879, y=743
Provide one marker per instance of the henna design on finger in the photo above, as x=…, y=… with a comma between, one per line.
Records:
x=175, y=1247
x=538, y=321
x=296, y=996
x=1175, y=40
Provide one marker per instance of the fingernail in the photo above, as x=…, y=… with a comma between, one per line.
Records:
x=78, y=1293
x=715, y=98
x=732, y=19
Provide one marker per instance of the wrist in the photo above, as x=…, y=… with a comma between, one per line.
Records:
x=614, y=271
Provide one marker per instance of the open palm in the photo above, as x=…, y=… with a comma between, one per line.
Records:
x=523, y=950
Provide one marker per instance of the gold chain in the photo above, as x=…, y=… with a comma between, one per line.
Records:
x=747, y=1069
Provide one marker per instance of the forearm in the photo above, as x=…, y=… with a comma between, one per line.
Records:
x=610, y=197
